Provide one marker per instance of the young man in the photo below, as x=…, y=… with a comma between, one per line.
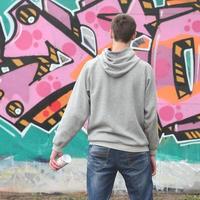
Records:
x=116, y=92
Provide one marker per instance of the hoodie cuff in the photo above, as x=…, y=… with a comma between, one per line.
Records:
x=57, y=148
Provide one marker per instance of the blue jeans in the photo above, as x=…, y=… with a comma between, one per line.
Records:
x=103, y=165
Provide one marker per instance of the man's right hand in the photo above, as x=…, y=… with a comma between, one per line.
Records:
x=52, y=163
x=153, y=164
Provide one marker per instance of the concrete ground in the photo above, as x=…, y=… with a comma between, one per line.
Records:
x=82, y=196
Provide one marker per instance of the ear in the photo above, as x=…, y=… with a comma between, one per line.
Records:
x=111, y=33
x=134, y=36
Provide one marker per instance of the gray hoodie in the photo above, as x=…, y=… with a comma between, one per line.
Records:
x=116, y=93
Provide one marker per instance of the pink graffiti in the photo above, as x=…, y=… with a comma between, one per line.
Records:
x=64, y=33
x=24, y=42
x=43, y=89
x=185, y=26
x=30, y=41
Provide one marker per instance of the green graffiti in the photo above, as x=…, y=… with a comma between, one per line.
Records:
x=169, y=150
x=38, y=3
x=36, y=145
x=159, y=3
x=69, y=5
x=189, y=64
x=5, y=19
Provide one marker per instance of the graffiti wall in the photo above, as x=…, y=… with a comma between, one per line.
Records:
x=43, y=46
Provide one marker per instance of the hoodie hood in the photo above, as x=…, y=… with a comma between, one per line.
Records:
x=116, y=64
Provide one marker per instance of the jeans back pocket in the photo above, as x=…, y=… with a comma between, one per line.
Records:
x=98, y=156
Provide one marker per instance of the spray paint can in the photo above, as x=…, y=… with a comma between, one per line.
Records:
x=64, y=160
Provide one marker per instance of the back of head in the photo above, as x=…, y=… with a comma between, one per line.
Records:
x=123, y=27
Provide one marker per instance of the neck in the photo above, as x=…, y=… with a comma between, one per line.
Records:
x=119, y=46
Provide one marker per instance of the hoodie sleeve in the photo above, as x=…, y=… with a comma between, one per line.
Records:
x=75, y=113
x=150, y=114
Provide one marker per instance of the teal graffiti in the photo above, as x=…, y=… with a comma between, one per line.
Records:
x=159, y=3
x=36, y=144
x=38, y=3
x=71, y=5
x=170, y=150
x=189, y=64
x=5, y=19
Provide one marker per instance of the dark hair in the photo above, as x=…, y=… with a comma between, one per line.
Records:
x=123, y=27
